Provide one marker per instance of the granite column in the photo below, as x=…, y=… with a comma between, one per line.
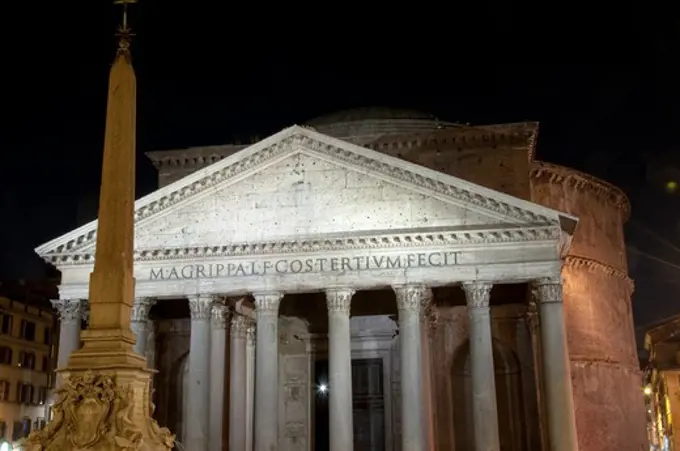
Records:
x=198, y=386
x=341, y=431
x=484, y=407
x=556, y=367
x=238, y=392
x=218, y=350
x=267, y=371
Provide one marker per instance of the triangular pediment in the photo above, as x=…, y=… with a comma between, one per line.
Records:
x=299, y=184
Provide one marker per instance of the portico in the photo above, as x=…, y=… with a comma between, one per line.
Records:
x=300, y=213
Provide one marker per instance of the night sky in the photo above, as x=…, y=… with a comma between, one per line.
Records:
x=603, y=84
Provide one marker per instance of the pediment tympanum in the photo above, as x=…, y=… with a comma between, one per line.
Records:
x=301, y=186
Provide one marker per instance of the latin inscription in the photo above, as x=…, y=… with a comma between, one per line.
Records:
x=305, y=266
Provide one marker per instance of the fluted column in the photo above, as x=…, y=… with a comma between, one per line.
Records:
x=410, y=299
x=250, y=384
x=484, y=407
x=556, y=367
x=198, y=404
x=218, y=351
x=341, y=430
x=139, y=320
x=70, y=319
x=238, y=391
x=267, y=371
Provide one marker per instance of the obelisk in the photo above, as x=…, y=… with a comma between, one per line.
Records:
x=105, y=402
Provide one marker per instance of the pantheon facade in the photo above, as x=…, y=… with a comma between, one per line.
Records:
x=379, y=280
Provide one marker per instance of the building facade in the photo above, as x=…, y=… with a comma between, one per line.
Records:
x=27, y=352
x=662, y=384
x=383, y=278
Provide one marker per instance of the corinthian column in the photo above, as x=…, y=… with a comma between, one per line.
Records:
x=340, y=369
x=139, y=323
x=410, y=300
x=484, y=407
x=198, y=405
x=267, y=371
x=425, y=333
x=250, y=384
x=218, y=352
x=556, y=367
x=70, y=318
x=238, y=393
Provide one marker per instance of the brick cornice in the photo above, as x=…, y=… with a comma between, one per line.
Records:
x=577, y=179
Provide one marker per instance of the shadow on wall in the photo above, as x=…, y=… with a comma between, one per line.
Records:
x=509, y=398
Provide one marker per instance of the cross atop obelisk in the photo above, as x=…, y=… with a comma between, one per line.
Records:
x=104, y=402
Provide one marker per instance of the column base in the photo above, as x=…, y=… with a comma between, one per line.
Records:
x=104, y=409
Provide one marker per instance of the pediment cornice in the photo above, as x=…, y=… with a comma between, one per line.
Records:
x=291, y=140
x=409, y=239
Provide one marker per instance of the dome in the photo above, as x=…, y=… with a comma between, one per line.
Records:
x=371, y=113
x=358, y=124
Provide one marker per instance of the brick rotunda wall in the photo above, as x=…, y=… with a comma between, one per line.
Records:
x=597, y=300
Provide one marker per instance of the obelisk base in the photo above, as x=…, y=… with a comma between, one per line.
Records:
x=104, y=403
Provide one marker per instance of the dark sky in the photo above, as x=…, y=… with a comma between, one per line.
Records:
x=603, y=84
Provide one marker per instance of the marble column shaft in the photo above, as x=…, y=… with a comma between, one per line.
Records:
x=428, y=402
x=341, y=430
x=139, y=323
x=556, y=368
x=218, y=350
x=267, y=371
x=70, y=319
x=250, y=383
x=238, y=392
x=484, y=405
x=198, y=386
x=410, y=300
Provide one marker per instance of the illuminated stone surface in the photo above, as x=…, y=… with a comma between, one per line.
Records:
x=246, y=219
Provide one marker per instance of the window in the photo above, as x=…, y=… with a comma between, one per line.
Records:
x=3, y=429
x=45, y=364
x=27, y=360
x=42, y=395
x=16, y=431
x=6, y=355
x=4, y=392
x=27, y=330
x=6, y=324
x=24, y=394
x=47, y=336
x=26, y=427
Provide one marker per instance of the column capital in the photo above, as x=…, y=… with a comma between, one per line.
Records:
x=477, y=294
x=239, y=326
x=141, y=308
x=412, y=297
x=547, y=291
x=267, y=303
x=200, y=305
x=339, y=300
x=69, y=310
x=219, y=315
